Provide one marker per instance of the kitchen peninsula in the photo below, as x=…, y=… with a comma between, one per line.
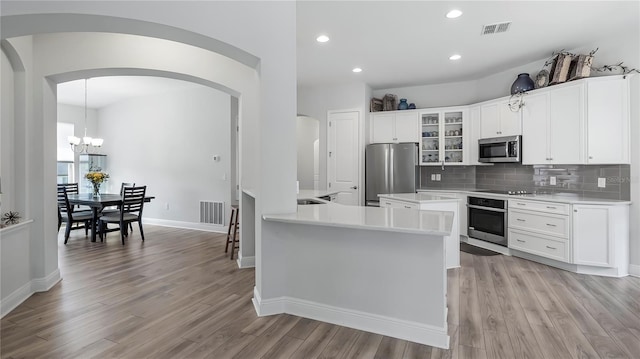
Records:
x=381, y=270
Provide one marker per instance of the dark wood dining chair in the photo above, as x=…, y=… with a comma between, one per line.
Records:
x=112, y=210
x=130, y=211
x=72, y=218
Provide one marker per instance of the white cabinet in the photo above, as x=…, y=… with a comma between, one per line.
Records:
x=473, y=136
x=540, y=228
x=608, y=121
x=552, y=125
x=394, y=126
x=581, y=122
x=601, y=235
x=497, y=119
x=444, y=136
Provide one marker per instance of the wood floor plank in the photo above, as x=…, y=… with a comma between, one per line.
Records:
x=390, y=348
x=284, y=348
x=316, y=341
x=340, y=344
x=365, y=347
x=573, y=338
x=465, y=352
x=177, y=295
x=498, y=345
x=606, y=347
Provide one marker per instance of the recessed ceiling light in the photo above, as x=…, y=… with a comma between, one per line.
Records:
x=455, y=57
x=322, y=38
x=357, y=69
x=454, y=14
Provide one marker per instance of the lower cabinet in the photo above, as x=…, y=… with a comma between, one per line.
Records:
x=540, y=228
x=579, y=234
x=600, y=235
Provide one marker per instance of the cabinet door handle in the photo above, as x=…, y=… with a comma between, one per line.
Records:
x=590, y=157
x=551, y=225
x=521, y=241
x=520, y=219
x=551, y=207
x=551, y=247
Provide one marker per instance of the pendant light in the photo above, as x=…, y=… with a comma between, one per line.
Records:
x=86, y=144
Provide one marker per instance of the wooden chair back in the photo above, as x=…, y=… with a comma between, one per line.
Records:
x=126, y=184
x=133, y=199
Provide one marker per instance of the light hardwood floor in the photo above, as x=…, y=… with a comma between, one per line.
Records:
x=179, y=296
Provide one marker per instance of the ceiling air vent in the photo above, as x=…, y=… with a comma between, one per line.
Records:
x=496, y=28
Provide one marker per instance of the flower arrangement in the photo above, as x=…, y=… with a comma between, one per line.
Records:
x=10, y=217
x=96, y=178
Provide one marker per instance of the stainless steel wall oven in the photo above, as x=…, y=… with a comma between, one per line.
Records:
x=488, y=219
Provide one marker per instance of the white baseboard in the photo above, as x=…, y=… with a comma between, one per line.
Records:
x=23, y=293
x=14, y=299
x=392, y=327
x=634, y=270
x=246, y=262
x=185, y=225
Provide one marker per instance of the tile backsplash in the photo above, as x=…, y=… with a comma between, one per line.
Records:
x=575, y=179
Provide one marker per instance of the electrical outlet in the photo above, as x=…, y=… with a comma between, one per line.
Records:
x=602, y=182
x=433, y=177
x=438, y=177
x=552, y=180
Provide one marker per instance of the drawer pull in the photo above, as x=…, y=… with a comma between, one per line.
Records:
x=521, y=204
x=407, y=206
x=551, y=247
x=520, y=219
x=387, y=203
x=521, y=241
x=551, y=207
x=551, y=225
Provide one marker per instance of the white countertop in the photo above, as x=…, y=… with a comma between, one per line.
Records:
x=569, y=198
x=371, y=218
x=420, y=197
x=315, y=193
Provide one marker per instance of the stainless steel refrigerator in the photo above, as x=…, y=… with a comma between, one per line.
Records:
x=390, y=168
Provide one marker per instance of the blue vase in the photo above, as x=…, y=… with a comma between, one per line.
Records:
x=403, y=105
x=523, y=83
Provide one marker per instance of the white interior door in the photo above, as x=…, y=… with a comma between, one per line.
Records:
x=343, y=160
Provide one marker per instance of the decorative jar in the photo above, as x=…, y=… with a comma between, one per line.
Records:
x=523, y=83
x=403, y=105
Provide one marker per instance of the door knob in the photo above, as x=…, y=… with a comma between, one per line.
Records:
x=354, y=187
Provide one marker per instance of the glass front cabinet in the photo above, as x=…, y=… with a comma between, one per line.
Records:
x=443, y=136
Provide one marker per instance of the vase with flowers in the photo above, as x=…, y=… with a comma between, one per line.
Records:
x=96, y=178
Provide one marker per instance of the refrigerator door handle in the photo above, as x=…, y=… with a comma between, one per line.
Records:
x=391, y=167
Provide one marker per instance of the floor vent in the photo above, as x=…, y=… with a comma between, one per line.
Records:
x=212, y=212
x=496, y=28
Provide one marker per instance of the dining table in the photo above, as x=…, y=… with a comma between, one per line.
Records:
x=97, y=204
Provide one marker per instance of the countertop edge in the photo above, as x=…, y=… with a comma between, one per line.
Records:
x=590, y=201
x=278, y=218
x=418, y=201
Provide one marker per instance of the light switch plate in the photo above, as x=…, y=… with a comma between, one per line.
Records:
x=602, y=182
x=552, y=180
x=433, y=176
x=438, y=177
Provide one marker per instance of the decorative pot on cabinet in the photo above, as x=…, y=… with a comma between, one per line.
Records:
x=523, y=83
x=403, y=105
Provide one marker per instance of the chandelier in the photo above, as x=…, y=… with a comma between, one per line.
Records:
x=86, y=144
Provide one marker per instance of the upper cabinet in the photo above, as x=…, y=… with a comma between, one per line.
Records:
x=586, y=121
x=444, y=134
x=552, y=126
x=608, y=121
x=497, y=119
x=387, y=127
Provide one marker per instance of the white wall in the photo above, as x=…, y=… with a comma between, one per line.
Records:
x=7, y=169
x=436, y=95
x=316, y=101
x=75, y=116
x=167, y=142
x=307, y=132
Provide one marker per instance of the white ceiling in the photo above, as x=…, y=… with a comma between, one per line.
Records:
x=406, y=43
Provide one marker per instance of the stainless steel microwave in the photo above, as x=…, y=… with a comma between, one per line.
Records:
x=500, y=149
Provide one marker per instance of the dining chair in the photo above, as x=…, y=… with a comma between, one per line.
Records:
x=70, y=217
x=112, y=210
x=130, y=211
